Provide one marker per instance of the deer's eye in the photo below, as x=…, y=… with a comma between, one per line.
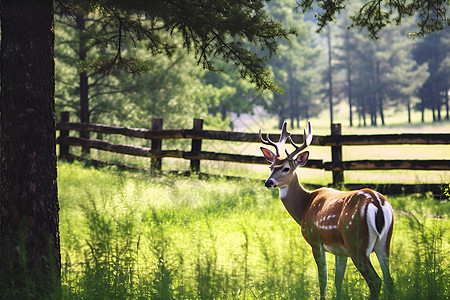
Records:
x=285, y=170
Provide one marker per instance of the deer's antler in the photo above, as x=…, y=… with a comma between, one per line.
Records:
x=307, y=139
x=279, y=145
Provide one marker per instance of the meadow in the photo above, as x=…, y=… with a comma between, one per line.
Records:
x=128, y=235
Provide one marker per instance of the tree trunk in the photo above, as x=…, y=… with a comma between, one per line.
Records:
x=434, y=113
x=281, y=110
x=292, y=110
x=84, y=84
x=422, y=108
x=29, y=249
x=350, y=104
x=408, y=103
x=363, y=111
x=373, y=110
x=330, y=78
x=349, y=76
x=379, y=97
x=438, y=108
x=447, y=107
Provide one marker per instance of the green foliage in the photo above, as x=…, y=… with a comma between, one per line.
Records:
x=209, y=29
x=231, y=94
x=129, y=235
x=296, y=68
x=432, y=51
x=446, y=191
x=165, y=82
x=430, y=277
x=381, y=74
x=374, y=15
x=170, y=89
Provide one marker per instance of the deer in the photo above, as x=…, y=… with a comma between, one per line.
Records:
x=345, y=223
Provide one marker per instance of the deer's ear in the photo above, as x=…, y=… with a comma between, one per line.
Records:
x=302, y=159
x=268, y=155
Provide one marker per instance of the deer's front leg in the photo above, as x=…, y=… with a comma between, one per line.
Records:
x=319, y=257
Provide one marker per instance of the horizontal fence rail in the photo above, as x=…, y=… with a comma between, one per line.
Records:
x=335, y=141
x=148, y=152
x=341, y=140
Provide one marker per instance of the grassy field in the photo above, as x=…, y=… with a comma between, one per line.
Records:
x=127, y=235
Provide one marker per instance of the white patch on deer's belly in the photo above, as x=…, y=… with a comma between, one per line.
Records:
x=336, y=250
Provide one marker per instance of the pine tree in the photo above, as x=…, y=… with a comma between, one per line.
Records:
x=433, y=50
x=374, y=15
x=29, y=253
x=296, y=69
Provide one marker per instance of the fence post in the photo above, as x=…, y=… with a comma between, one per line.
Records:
x=336, y=156
x=155, y=166
x=64, y=117
x=196, y=146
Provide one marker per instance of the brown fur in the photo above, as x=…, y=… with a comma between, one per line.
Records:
x=335, y=221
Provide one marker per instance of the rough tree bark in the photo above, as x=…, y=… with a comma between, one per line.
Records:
x=29, y=251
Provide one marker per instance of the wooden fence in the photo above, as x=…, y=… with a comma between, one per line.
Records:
x=335, y=141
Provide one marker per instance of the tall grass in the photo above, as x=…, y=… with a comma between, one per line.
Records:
x=129, y=236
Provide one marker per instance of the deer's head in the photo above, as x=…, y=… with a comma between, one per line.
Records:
x=282, y=169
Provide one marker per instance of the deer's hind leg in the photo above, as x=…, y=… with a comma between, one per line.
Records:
x=341, y=265
x=382, y=251
x=359, y=245
x=364, y=266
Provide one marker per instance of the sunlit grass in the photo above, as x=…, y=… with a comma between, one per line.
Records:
x=128, y=235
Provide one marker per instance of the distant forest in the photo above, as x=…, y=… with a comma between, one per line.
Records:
x=315, y=70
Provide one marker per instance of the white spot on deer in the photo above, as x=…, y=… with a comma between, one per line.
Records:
x=331, y=217
x=327, y=227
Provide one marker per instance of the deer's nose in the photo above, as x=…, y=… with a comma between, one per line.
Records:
x=269, y=183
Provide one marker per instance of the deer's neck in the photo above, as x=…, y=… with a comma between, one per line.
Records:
x=295, y=198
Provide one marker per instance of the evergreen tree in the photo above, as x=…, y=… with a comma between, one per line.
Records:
x=345, y=60
x=29, y=253
x=170, y=91
x=433, y=50
x=375, y=15
x=403, y=77
x=296, y=69
x=381, y=73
